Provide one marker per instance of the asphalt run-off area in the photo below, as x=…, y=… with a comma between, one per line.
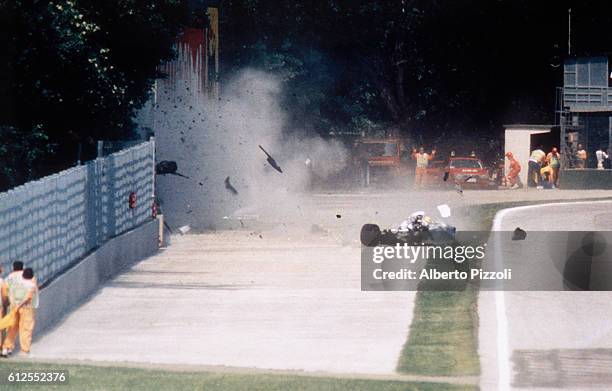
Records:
x=286, y=295
x=552, y=339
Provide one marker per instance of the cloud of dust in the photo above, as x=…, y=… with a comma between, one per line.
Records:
x=211, y=141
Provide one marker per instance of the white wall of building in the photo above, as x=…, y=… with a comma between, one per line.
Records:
x=518, y=141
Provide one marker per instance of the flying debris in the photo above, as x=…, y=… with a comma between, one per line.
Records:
x=519, y=234
x=229, y=186
x=168, y=167
x=184, y=229
x=271, y=160
x=459, y=189
x=444, y=210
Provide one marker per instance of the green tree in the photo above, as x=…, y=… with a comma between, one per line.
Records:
x=346, y=65
x=436, y=70
x=75, y=73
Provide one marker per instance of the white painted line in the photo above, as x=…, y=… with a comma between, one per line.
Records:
x=503, y=356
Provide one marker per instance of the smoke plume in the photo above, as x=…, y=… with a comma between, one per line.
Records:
x=211, y=141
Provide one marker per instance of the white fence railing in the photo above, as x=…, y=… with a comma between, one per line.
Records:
x=51, y=223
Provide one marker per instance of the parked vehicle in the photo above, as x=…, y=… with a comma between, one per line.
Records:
x=376, y=158
x=469, y=172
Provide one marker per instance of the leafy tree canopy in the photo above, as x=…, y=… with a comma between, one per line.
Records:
x=432, y=70
x=73, y=72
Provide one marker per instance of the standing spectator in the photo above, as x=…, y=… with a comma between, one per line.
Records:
x=10, y=280
x=23, y=296
x=536, y=159
x=581, y=157
x=16, y=273
x=422, y=161
x=601, y=156
x=513, y=171
x=553, y=159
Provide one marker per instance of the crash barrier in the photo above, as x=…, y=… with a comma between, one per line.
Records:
x=82, y=280
x=589, y=178
x=51, y=223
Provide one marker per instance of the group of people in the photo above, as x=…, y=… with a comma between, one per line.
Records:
x=543, y=169
x=581, y=158
x=19, y=295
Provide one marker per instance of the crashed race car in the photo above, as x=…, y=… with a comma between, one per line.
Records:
x=418, y=229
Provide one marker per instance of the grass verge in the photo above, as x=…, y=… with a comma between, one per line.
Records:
x=443, y=339
x=94, y=378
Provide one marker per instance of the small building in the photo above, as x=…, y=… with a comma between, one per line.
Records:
x=583, y=115
x=521, y=139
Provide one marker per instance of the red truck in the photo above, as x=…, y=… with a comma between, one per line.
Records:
x=376, y=158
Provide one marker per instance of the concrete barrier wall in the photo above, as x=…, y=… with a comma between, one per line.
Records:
x=82, y=280
x=586, y=179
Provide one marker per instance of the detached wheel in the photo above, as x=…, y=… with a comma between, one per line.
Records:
x=370, y=235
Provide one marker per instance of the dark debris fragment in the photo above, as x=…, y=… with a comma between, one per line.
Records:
x=519, y=234
x=229, y=186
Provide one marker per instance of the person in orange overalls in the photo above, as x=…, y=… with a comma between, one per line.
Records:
x=23, y=297
x=422, y=161
x=514, y=170
x=13, y=276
